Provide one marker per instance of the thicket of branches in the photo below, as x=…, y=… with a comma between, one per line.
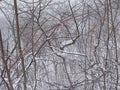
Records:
x=60, y=45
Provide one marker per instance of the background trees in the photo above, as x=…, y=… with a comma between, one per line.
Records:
x=57, y=45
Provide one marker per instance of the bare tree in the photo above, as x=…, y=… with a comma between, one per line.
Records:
x=57, y=45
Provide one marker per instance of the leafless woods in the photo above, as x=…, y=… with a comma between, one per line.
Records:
x=59, y=45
